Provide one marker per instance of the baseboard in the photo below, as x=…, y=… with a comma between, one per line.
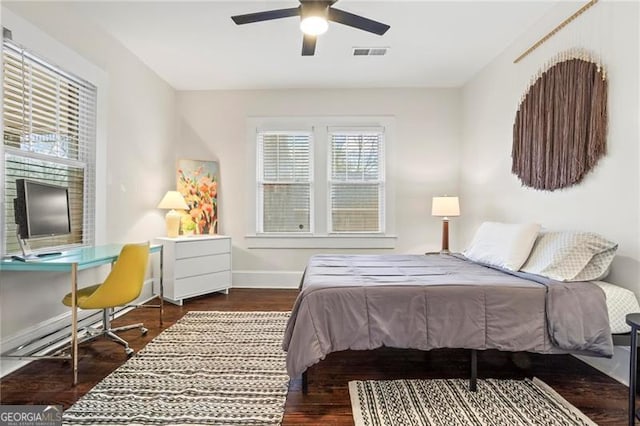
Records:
x=616, y=367
x=266, y=279
x=55, y=329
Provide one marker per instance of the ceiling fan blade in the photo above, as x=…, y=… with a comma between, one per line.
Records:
x=357, y=21
x=309, y=45
x=266, y=15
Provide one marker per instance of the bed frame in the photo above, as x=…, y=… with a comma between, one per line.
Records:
x=473, y=379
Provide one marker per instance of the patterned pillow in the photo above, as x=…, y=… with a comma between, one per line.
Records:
x=598, y=267
x=570, y=256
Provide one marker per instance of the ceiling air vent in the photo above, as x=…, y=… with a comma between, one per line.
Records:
x=370, y=51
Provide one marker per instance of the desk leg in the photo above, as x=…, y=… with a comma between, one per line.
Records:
x=161, y=284
x=74, y=322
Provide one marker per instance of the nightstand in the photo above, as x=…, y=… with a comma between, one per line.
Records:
x=195, y=265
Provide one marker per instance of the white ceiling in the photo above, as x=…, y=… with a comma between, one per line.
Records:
x=196, y=46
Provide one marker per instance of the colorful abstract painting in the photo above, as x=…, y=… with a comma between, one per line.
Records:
x=198, y=183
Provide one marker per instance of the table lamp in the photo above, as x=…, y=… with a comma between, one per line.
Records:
x=173, y=200
x=445, y=207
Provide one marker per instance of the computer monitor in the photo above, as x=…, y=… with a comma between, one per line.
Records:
x=41, y=210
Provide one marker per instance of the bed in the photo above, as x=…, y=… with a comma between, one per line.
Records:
x=425, y=302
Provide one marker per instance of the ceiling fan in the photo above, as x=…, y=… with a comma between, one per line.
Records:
x=314, y=15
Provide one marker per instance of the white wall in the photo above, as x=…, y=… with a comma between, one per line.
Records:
x=135, y=160
x=607, y=201
x=213, y=126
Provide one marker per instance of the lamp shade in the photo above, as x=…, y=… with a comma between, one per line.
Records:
x=445, y=206
x=173, y=200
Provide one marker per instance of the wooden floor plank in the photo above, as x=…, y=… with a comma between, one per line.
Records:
x=48, y=382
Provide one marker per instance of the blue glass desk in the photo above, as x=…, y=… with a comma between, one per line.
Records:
x=73, y=261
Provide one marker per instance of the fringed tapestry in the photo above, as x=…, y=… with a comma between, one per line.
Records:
x=560, y=128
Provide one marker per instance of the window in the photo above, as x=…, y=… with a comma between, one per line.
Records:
x=356, y=181
x=284, y=175
x=323, y=182
x=49, y=136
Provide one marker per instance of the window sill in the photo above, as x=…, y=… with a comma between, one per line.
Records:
x=321, y=241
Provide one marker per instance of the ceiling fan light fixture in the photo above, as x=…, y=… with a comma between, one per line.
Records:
x=314, y=25
x=314, y=20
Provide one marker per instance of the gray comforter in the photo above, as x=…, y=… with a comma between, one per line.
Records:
x=436, y=301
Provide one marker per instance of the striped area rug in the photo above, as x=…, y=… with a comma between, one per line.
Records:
x=449, y=403
x=209, y=368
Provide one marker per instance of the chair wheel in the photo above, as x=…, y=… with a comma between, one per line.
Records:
x=143, y=330
x=129, y=352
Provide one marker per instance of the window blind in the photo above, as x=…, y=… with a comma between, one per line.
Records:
x=49, y=136
x=356, y=181
x=284, y=182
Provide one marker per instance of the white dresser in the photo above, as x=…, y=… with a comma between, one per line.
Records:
x=195, y=265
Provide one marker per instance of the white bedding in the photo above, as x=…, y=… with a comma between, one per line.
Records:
x=620, y=302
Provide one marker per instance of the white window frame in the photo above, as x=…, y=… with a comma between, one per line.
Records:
x=260, y=183
x=321, y=238
x=381, y=178
x=59, y=55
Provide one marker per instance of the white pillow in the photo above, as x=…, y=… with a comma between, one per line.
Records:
x=506, y=245
x=571, y=256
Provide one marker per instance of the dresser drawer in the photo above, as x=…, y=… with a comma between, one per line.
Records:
x=201, y=284
x=186, y=249
x=202, y=265
x=193, y=266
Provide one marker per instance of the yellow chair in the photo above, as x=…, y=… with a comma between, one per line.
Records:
x=122, y=286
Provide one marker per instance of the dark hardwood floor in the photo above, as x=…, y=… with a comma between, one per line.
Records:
x=48, y=382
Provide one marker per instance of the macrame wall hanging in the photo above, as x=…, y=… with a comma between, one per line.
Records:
x=560, y=129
